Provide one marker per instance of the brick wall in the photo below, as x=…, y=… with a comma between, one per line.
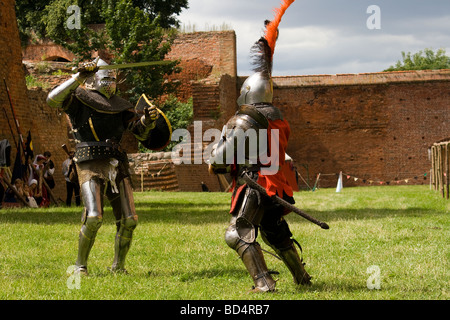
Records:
x=32, y=113
x=156, y=171
x=217, y=49
x=153, y=171
x=371, y=126
x=45, y=50
x=10, y=68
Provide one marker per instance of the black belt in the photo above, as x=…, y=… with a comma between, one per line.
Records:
x=94, y=144
x=97, y=150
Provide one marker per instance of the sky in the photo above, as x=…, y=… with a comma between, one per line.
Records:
x=328, y=36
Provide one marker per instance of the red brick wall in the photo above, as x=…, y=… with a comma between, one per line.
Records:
x=10, y=67
x=46, y=51
x=217, y=49
x=47, y=126
x=372, y=126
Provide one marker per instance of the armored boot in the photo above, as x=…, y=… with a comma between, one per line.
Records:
x=125, y=213
x=122, y=244
x=92, y=221
x=85, y=242
x=253, y=259
x=295, y=264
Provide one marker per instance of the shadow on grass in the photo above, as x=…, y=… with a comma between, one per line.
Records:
x=240, y=274
x=331, y=287
x=216, y=272
x=199, y=214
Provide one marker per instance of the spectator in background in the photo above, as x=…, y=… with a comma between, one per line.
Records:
x=69, y=170
x=11, y=196
x=38, y=164
x=36, y=192
x=49, y=170
x=31, y=201
x=39, y=192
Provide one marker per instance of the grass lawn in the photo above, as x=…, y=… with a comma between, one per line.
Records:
x=179, y=252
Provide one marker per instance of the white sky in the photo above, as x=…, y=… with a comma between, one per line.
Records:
x=328, y=36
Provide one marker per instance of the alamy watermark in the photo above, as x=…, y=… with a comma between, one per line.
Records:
x=229, y=146
x=374, y=280
x=74, y=20
x=374, y=21
x=74, y=280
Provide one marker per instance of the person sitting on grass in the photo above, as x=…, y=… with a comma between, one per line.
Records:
x=11, y=196
x=36, y=192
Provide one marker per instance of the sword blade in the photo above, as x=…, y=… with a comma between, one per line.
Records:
x=134, y=65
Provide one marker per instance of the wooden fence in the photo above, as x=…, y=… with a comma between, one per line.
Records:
x=440, y=165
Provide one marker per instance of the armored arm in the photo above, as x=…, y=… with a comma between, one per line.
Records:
x=58, y=95
x=239, y=142
x=141, y=128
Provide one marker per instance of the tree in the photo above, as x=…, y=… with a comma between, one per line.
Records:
x=32, y=14
x=422, y=60
x=124, y=30
x=167, y=10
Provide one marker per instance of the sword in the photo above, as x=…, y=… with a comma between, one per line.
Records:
x=283, y=202
x=134, y=65
x=127, y=65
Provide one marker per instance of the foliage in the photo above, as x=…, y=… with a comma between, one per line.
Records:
x=180, y=114
x=179, y=252
x=135, y=37
x=422, y=60
x=29, y=18
x=32, y=14
x=164, y=9
x=32, y=82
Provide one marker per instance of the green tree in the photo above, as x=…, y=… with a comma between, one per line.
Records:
x=166, y=10
x=32, y=14
x=422, y=60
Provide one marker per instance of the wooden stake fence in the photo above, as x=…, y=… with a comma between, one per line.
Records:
x=440, y=166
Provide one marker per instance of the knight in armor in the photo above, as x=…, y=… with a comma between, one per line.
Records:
x=252, y=212
x=99, y=118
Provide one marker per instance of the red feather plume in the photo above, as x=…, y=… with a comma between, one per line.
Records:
x=271, y=33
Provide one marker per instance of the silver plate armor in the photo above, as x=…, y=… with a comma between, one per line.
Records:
x=256, y=89
x=58, y=95
x=103, y=81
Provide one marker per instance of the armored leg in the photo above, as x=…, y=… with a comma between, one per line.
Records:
x=278, y=236
x=92, y=221
x=126, y=221
x=241, y=236
x=292, y=260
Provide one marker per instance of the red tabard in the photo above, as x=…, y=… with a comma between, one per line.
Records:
x=274, y=183
x=277, y=183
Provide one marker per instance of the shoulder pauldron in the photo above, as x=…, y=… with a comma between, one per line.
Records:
x=100, y=103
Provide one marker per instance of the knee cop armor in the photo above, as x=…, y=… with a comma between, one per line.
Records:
x=241, y=236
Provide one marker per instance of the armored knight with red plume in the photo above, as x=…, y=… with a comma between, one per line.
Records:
x=252, y=211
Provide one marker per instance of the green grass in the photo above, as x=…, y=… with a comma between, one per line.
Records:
x=179, y=252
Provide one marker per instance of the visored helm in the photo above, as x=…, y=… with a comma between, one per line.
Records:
x=103, y=81
x=256, y=88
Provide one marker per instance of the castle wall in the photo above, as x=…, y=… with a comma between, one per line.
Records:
x=373, y=127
